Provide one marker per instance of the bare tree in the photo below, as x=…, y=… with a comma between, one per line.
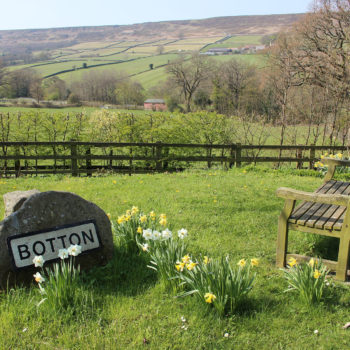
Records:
x=188, y=75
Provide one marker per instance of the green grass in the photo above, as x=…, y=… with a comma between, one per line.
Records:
x=226, y=212
x=131, y=67
x=253, y=59
x=238, y=41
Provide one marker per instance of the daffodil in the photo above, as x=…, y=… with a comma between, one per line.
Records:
x=317, y=274
x=241, y=263
x=38, y=278
x=152, y=215
x=134, y=210
x=143, y=218
x=180, y=266
x=191, y=265
x=121, y=219
x=38, y=261
x=139, y=230
x=162, y=216
x=182, y=233
x=339, y=155
x=127, y=218
x=74, y=250
x=292, y=262
x=254, y=262
x=166, y=234
x=209, y=297
x=162, y=221
x=114, y=182
x=312, y=262
x=109, y=216
x=206, y=260
x=128, y=212
x=186, y=259
x=63, y=254
x=147, y=234
x=145, y=247
x=156, y=235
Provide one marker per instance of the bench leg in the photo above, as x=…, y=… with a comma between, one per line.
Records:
x=282, y=236
x=343, y=258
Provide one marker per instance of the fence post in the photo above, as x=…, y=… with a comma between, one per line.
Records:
x=238, y=155
x=299, y=156
x=312, y=156
x=17, y=164
x=74, y=160
x=17, y=167
x=88, y=162
x=232, y=155
x=110, y=160
x=158, y=156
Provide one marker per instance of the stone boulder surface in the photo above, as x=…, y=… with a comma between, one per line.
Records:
x=34, y=211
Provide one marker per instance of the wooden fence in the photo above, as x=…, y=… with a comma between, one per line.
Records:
x=75, y=158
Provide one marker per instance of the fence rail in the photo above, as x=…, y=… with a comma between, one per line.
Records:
x=76, y=158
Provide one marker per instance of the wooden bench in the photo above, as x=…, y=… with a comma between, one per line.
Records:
x=324, y=212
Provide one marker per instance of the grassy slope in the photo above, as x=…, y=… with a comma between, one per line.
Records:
x=131, y=305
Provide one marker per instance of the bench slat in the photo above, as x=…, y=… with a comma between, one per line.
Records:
x=332, y=214
x=322, y=212
x=336, y=218
x=305, y=206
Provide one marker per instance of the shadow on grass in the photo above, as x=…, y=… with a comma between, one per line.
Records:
x=126, y=274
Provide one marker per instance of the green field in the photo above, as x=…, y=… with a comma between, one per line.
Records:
x=142, y=54
x=230, y=213
x=238, y=41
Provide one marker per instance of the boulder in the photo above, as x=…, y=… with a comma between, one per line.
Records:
x=41, y=223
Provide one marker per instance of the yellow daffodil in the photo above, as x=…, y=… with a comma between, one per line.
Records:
x=191, y=265
x=241, y=263
x=128, y=212
x=331, y=156
x=139, y=230
x=163, y=222
x=339, y=155
x=134, y=210
x=127, y=218
x=143, y=218
x=209, y=297
x=186, y=259
x=121, y=219
x=292, y=262
x=180, y=266
x=206, y=260
x=152, y=215
x=162, y=216
x=317, y=274
x=114, y=182
x=312, y=262
x=254, y=262
x=109, y=216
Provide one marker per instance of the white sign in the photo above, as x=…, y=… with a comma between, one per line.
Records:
x=25, y=247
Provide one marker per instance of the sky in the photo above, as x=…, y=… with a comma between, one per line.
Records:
x=28, y=14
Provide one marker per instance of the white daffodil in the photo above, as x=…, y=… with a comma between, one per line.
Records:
x=147, y=234
x=38, y=278
x=74, y=250
x=38, y=261
x=145, y=247
x=156, y=235
x=63, y=254
x=182, y=233
x=167, y=234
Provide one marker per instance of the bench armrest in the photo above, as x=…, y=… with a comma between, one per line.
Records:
x=337, y=199
x=335, y=162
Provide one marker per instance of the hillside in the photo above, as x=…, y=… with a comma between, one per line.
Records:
x=48, y=39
